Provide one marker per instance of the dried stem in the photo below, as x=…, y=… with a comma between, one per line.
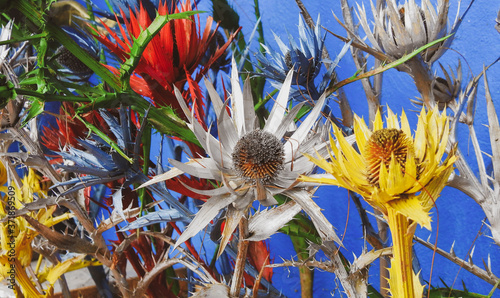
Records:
x=239, y=267
x=372, y=91
x=486, y=275
x=423, y=79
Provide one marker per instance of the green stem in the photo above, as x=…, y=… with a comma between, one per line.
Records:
x=16, y=40
x=51, y=97
x=107, y=139
x=306, y=275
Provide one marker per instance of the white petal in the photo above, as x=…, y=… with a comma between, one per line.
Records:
x=118, y=203
x=269, y=200
x=174, y=172
x=248, y=105
x=237, y=101
x=212, y=290
x=215, y=150
x=207, y=192
x=228, y=135
x=264, y=224
x=279, y=108
x=199, y=170
x=285, y=178
x=214, y=98
x=301, y=133
x=233, y=217
x=323, y=226
x=244, y=200
x=5, y=35
x=183, y=105
x=207, y=212
x=287, y=121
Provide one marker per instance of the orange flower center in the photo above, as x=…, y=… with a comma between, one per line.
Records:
x=383, y=145
x=258, y=155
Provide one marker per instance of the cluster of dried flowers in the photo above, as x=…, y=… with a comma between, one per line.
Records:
x=86, y=95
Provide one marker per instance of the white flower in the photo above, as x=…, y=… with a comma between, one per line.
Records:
x=399, y=30
x=252, y=163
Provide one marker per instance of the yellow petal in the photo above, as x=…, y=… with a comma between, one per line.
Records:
x=391, y=120
x=405, y=126
x=51, y=274
x=320, y=180
x=377, y=123
x=420, y=143
x=411, y=208
x=361, y=132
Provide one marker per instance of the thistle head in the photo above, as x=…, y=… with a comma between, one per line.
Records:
x=401, y=29
x=258, y=155
x=385, y=145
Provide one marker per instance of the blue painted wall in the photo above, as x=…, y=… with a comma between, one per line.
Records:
x=477, y=43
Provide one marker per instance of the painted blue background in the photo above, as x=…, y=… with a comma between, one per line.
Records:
x=477, y=43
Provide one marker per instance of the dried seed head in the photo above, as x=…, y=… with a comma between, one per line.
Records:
x=383, y=145
x=288, y=60
x=258, y=155
x=67, y=59
x=307, y=72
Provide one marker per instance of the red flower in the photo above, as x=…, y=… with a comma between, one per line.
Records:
x=69, y=130
x=171, y=58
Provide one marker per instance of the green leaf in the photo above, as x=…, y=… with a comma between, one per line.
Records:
x=36, y=108
x=300, y=227
x=373, y=293
x=101, y=71
x=165, y=121
x=35, y=16
x=225, y=15
x=7, y=91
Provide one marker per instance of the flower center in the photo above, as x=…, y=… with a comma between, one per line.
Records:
x=258, y=155
x=383, y=145
x=307, y=71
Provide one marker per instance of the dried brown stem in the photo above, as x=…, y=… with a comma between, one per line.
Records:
x=486, y=275
x=422, y=77
x=372, y=92
x=258, y=279
x=239, y=267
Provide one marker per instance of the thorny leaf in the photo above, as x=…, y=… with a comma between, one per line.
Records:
x=63, y=241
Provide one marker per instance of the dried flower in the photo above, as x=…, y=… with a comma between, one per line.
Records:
x=252, y=163
x=305, y=58
x=399, y=175
x=400, y=29
x=171, y=57
x=17, y=236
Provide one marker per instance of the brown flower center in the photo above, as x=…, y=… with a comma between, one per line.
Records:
x=258, y=155
x=383, y=145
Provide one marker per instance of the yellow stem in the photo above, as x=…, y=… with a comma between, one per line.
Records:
x=401, y=279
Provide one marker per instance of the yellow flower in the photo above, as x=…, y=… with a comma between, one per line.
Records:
x=389, y=167
x=396, y=172
x=16, y=237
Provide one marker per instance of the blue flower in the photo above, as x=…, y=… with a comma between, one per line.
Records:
x=305, y=58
